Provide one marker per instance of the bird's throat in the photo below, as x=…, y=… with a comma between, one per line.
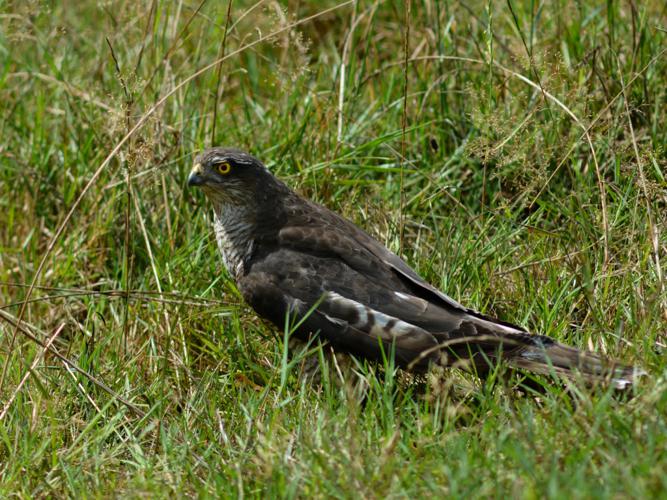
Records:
x=233, y=231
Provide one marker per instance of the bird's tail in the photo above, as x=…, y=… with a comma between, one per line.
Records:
x=484, y=340
x=544, y=355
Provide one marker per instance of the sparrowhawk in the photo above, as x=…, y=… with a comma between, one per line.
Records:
x=292, y=257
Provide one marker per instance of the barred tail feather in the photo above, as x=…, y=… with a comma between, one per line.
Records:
x=483, y=340
x=547, y=356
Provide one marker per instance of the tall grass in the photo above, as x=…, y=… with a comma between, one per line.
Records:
x=513, y=153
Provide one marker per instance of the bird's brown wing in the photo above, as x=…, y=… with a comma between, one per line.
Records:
x=329, y=231
x=411, y=298
x=316, y=228
x=299, y=299
x=364, y=277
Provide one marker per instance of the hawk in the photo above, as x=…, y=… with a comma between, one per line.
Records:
x=291, y=257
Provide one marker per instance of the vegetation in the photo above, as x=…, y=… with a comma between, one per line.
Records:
x=513, y=152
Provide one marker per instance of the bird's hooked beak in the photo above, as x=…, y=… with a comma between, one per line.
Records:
x=196, y=177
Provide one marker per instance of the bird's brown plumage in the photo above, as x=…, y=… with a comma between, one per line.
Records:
x=292, y=257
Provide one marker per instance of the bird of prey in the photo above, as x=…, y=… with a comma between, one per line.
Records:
x=291, y=257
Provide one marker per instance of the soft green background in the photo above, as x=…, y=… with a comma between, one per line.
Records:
x=470, y=160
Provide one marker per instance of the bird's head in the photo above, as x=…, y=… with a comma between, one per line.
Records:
x=229, y=176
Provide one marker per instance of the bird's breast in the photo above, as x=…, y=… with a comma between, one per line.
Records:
x=234, y=234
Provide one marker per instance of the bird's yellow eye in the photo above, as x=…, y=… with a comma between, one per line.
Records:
x=223, y=168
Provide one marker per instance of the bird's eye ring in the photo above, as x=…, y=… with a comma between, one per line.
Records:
x=223, y=168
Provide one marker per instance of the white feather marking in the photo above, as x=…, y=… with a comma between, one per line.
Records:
x=414, y=301
x=363, y=315
x=378, y=320
x=399, y=328
x=335, y=321
x=623, y=383
x=361, y=310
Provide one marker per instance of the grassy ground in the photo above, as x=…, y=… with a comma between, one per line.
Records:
x=513, y=152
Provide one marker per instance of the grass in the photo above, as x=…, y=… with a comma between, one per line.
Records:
x=513, y=155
